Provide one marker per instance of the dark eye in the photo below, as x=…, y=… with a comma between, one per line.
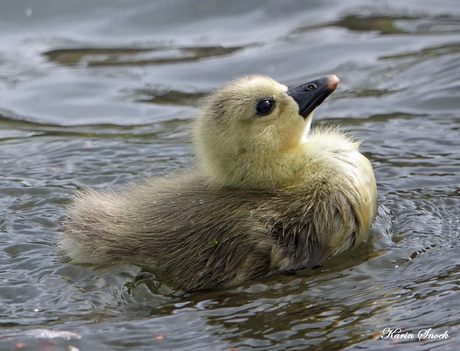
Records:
x=265, y=106
x=311, y=86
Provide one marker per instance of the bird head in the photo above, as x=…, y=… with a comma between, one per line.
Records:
x=250, y=134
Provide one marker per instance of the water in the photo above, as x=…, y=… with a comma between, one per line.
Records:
x=100, y=94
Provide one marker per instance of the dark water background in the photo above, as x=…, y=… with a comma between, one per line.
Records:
x=101, y=93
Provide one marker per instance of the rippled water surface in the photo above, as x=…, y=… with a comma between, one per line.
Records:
x=99, y=94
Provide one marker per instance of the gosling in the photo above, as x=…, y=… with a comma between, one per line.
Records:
x=267, y=195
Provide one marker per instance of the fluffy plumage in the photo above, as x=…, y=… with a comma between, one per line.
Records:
x=266, y=197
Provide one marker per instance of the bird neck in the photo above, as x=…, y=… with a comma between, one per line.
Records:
x=265, y=172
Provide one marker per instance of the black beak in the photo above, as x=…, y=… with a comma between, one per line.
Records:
x=312, y=94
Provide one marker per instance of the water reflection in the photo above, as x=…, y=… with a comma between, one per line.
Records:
x=135, y=57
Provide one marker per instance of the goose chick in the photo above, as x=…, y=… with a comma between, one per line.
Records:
x=266, y=197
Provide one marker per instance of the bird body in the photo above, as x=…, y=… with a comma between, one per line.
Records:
x=266, y=197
